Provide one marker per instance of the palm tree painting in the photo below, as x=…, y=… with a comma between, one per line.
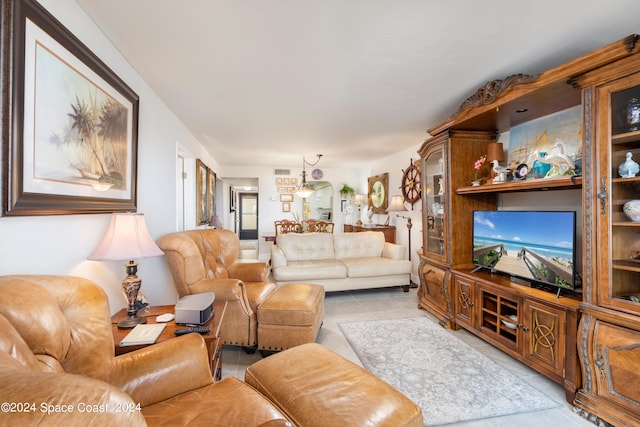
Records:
x=81, y=130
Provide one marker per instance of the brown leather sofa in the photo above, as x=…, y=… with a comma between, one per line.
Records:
x=205, y=260
x=57, y=367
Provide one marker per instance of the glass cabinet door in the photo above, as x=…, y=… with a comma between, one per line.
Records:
x=619, y=193
x=435, y=196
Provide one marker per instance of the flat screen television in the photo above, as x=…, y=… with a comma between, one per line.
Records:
x=536, y=246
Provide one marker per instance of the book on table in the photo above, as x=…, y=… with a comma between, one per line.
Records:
x=143, y=334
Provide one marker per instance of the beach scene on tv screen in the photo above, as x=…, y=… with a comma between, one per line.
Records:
x=532, y=245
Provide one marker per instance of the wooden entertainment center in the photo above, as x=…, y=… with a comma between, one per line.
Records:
x=589, y=340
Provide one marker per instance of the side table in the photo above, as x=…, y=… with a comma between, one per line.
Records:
x=212, y=338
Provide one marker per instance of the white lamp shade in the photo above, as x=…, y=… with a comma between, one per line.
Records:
x=126, y=238
x=304, y=191
x=397, y=204
x=359, y=200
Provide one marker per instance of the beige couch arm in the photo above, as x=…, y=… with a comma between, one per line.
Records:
x=277, y=257
x=393, y=251
x=163, y=370
x=61, y=399
x=249, y=271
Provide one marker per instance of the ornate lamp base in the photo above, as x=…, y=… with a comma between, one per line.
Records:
x=131, y=285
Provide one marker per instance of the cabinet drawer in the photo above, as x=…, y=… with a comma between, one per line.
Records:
x=616, y=354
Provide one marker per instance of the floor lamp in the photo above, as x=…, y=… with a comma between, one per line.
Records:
x=397, y=205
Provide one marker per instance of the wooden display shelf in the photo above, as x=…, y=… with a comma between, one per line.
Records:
x=559, y=183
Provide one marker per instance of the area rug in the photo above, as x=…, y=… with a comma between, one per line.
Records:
x=451, y=381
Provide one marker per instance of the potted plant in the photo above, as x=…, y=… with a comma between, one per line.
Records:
x=347, y=191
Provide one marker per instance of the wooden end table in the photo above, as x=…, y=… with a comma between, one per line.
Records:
x=212, y=338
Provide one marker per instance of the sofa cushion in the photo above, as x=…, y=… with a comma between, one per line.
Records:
x=300, y=271
x=370, y=267
x=306, y=247
x=358, y=245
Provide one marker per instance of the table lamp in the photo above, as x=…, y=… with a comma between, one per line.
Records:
x=127, y=238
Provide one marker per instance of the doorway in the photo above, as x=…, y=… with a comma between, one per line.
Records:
x=248, y=213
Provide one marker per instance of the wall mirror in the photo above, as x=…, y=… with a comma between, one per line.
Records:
x=378, y=193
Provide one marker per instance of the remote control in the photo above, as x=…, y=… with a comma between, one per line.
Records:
x=198, y=329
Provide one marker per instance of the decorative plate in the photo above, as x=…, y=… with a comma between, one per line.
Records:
x=316, y=174
x=521, y=171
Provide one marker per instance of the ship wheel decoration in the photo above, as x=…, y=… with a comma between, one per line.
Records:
x=411, y=188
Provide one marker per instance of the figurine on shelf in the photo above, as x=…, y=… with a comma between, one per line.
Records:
x=560, y=163
x=629, y=168
x=500, y=171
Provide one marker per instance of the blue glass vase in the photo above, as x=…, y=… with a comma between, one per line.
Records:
x=539, y=168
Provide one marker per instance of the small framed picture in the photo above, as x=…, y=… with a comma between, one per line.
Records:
x=286, y=207
x=279, y=182
x=286, y=197
x=294, y=181
x=282, y=189
x=291, y=189
x=285, y=181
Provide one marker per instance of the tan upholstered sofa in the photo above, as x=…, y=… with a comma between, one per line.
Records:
x=206, y=260
x=340, y=262
x=57, y=367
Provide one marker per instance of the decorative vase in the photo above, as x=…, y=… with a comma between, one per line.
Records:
x=629, y=168
x=632, y=210
x=633, y=115
x=476, y=182
x=539, y=168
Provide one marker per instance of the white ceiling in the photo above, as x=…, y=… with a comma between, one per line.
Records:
x=265, y=82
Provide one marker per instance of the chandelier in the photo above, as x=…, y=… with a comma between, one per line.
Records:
x=305, y=190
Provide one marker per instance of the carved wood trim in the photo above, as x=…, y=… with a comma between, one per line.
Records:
x=630, y=41
x=493, y=89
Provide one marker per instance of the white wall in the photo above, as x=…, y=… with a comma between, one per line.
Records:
x=60, y=244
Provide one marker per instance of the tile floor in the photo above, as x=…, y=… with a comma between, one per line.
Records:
x=393, y=303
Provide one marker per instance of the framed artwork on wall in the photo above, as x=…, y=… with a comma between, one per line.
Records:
x=286, y=197
x=286, y=207
x=202, y=216
x=70, y=123
x=379, y=193
x=211, y=194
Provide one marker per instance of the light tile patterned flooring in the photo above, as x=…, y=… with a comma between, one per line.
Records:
x=393, y=303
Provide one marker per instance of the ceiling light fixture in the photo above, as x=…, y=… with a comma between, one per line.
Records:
x=305, y=190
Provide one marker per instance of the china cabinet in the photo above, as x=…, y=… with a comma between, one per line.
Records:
x=588, y=340
x=439, y=254
x=609, y=332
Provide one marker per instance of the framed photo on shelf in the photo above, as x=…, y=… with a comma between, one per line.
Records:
x=74, y=139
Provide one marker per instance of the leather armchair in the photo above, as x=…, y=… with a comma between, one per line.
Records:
x=57, y=366
x=206, y=260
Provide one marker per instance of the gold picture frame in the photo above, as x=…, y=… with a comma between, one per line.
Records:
x=379, y=193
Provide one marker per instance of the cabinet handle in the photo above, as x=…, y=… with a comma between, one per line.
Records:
x=526, y=329
x=602, y=195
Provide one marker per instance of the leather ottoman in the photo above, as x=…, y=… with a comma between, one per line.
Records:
x=290, y=316
x=320, y=388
